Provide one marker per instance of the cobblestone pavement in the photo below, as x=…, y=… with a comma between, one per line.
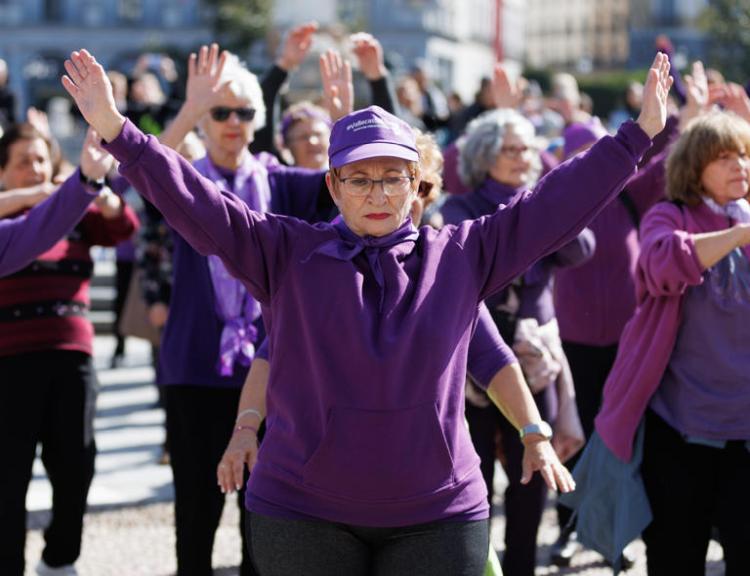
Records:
x=129, y=528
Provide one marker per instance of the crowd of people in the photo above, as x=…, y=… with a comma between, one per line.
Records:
x=356, y=312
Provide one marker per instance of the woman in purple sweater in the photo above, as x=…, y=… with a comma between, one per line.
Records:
x=367, y=465
x=682, y=363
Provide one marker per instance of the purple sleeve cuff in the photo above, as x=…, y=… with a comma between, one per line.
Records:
x=634, y=138
x=262, y=351
x=488, y=352
x=128, y=145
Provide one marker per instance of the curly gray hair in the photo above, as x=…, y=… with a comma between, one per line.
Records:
x=480, y=146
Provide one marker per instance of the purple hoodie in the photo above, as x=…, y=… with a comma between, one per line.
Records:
x=365, y=398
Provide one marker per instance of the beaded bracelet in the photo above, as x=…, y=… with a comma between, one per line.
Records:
x=252, y=411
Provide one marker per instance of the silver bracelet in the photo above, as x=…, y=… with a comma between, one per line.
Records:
x=250, y=411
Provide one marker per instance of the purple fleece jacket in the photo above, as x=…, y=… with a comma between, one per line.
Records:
x=667, y=267
x=24, y=237
x=365, y=398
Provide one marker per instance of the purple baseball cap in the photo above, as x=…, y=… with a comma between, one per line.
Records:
x=369, y=133
x=580, y=134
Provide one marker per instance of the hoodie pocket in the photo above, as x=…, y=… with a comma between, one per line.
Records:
x=370, y=455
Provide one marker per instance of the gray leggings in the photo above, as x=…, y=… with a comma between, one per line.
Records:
x=282, y=547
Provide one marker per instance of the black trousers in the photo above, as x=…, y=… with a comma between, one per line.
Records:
x=691, y=488
x=283, y=547
x=200, y=421
x=590, y=366
x=123, y=275
x=524, y=504
x=48, y=398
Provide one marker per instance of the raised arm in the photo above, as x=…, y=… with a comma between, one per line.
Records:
x=212, y=221
x=204, y=87
x=369, y=53
x=297, y=44
x=503, y=245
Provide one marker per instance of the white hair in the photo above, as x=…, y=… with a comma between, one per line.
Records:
x=244, y=84
x=479, y=148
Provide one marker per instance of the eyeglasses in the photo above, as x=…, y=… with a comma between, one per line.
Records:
x=392, y=185
x=514, y=151
x=307, y=137
x=222, y=113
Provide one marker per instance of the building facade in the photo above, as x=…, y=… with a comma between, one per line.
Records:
x=577, y=35
x=677, y=19
x=37, y=35
x=459, y=40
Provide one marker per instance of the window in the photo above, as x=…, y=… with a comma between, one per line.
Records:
x=130, y=10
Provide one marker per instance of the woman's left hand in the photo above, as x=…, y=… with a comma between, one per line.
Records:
x=539, y=456
x=653, y=116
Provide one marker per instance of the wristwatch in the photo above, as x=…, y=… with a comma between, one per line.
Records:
x=95, y=185
x=541, y=428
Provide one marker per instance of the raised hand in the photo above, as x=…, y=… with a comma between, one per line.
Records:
x=204, y=84
x=96, y=162
x=734, y=99
x=369, y=55
x=338, y=90
x=88, y=85
x=653, y=116
x=505, y=93
x=697, y=94
x=38, y=119
x=296, y=46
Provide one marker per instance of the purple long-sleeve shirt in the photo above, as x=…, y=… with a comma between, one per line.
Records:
x=595, y=300
x=190, y=346
x=24, y=237
x=534, y=289
x=365, y=398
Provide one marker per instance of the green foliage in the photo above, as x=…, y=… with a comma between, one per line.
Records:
x=239, y=23
x=607, y=89
x=728, y=25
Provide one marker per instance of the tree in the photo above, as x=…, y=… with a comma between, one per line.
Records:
x=728, y=23
x=239, y=23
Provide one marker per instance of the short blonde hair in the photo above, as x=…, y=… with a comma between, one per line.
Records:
x=704, y=139
x=431, y=162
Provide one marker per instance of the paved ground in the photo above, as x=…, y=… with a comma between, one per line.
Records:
x=129, y=528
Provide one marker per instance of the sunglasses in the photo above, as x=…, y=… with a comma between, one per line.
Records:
x=222, y=113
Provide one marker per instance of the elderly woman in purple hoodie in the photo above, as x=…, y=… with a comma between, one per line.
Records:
x=367, y=465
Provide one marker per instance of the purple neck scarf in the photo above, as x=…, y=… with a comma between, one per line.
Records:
x=234, y=306
x=498, y=193
x=349, y=245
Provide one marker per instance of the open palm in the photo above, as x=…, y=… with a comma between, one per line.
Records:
x=653, y=116
x=88, y=85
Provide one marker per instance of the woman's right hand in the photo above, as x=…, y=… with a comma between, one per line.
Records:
x=241, y=451
x=88, y=85
x=653, y=116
